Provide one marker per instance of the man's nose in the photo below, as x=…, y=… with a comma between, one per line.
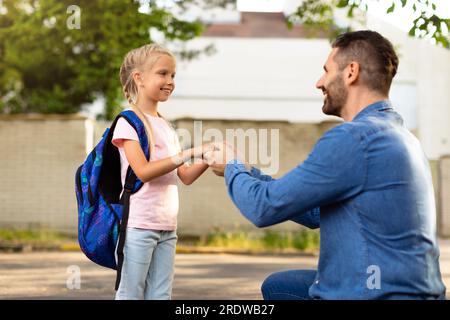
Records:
x=319, y=83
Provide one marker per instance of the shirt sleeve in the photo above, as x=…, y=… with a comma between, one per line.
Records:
x=310, y=219
x=123, y=131
x=335, y=170
x=259, y=175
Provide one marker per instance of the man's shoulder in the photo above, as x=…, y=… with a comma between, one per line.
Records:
x=346, y=130
x=342, y=141
x=364, y=128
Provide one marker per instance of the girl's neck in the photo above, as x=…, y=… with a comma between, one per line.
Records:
x=150, y=108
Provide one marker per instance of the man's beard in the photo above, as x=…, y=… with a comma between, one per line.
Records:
x=336, y=98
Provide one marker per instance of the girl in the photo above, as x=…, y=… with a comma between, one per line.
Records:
x=147, y=76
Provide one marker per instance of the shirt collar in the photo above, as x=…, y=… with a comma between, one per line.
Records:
x=374, y=107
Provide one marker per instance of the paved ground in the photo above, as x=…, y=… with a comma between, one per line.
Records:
x=197, y=276
x=44, y=275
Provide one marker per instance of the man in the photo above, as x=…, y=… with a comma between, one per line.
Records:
x=366, y=184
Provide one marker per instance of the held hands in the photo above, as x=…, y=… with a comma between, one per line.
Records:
x=216, y=155
x=217, y=158
x=200, y=151
x=196, y=153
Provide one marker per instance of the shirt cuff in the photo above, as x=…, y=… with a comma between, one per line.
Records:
x=233, y=167
x=255, y=172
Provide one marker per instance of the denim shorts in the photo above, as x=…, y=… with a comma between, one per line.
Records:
x=148, y=266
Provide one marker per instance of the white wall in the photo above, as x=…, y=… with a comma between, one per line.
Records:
x=422, y=87
x=254, y=79
x=434, y=100
x=270, y=79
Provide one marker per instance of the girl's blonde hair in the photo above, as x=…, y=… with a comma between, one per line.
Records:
x=134, y=61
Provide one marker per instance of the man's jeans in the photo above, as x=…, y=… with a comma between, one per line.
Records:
x=288, y=285
x=148, y=266
x=294, y=285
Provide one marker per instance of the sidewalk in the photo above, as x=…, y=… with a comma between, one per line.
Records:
x=197, y=276
x=44, y=275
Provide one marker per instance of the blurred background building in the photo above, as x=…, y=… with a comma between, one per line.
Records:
x=262, y=76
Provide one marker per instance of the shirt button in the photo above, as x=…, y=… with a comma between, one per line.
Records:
x=317, y=281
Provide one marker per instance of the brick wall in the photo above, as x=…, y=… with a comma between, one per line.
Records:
x=444, y=196
x=41, y=154
x=37, y=164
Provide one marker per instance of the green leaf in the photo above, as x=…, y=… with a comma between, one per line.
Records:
x=350, y=12
x=391, y=8
x=342, y=3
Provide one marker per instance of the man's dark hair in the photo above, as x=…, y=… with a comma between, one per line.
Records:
x=375, y=54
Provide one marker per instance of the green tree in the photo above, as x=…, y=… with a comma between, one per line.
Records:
x=54, y=57
x=426, y=21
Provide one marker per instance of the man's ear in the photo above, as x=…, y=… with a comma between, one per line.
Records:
x=352, y=73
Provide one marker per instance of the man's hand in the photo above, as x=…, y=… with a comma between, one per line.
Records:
x=218, y=169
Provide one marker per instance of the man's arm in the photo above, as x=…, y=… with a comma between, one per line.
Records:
x=335, y=170
x=310, y=219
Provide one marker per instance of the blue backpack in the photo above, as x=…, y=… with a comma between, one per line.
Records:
x=102, y=213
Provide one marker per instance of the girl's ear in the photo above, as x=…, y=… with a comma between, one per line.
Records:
x=137, y=78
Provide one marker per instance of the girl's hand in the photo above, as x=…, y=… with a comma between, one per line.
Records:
x=223, y=152
x=196, y=153
x=199, y=151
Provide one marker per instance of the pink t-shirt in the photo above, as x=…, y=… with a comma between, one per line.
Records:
x=155, y=205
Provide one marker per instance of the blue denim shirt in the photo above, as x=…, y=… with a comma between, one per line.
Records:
x=367, y=185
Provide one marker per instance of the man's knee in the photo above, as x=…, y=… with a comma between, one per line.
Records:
x=267, y=286
x=287, y=285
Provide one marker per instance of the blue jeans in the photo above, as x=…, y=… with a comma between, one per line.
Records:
x=148, y=267
x=288, y=285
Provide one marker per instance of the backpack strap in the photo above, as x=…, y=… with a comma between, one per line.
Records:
x=125, y=200
x=138, y=126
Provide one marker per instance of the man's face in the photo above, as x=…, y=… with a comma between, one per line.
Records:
x=333, y=87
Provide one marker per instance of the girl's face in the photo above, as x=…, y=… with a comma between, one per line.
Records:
x=156, y=83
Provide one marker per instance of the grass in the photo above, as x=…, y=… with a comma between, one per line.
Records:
x=303, y=240
x=34, y=237
x=267, y=241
